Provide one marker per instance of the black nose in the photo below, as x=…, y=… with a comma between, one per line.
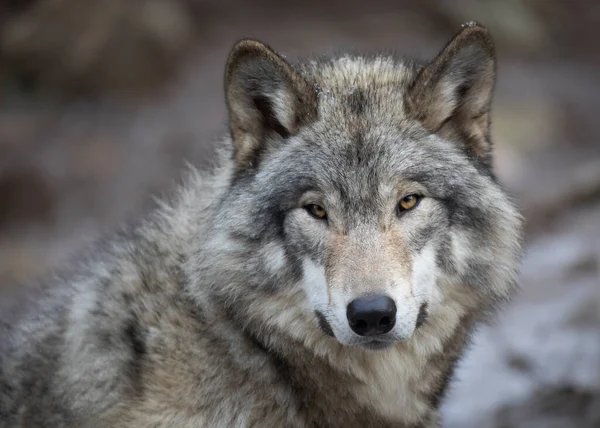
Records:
x=371, y=315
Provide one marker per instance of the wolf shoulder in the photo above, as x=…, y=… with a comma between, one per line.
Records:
x=73, y=346
x=116, y=342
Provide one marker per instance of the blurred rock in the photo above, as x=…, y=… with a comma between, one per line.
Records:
x=18, y=129
x=94, y=46
x=527, y=124
x=553, y=407
x=24, y=198
x=572, y=27
x=516, y=23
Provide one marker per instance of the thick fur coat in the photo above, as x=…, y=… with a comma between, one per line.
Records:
x=228, y=306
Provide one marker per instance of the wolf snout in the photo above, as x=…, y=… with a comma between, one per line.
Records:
x=371, y=315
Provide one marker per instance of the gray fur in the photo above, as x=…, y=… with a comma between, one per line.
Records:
x=213, y=311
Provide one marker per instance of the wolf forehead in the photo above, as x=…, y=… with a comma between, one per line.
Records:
x=349, y=87
x=362, y=135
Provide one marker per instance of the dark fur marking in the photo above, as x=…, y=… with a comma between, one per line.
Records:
x=358, y=138
x=127, y=298
x=35, y=403
x=422, y=237
x=256, y=342
x=285, y=372
x=133, y=334
x=241, y=177
x=145, y=281
x=444, y=258
x=234, y=318
x=470, y=217
x=99, y=311
x=324, y=325
x=6, y=393
x=268, y=225
x=105, y=339
x=357, y=154
x=105, y=283
x=135, y=339
x=279, y=364
x=440, y=392
x=177, y=272
x=453, y=350
x=477, y=274
x=357, y=102
x=422, y=317
x=264, y=106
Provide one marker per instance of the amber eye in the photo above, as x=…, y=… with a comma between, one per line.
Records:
x=316, y=211
x=408, y=202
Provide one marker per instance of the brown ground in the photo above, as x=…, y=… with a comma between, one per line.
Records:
x=74, y=167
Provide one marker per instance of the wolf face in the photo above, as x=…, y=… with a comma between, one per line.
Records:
x=371, y=180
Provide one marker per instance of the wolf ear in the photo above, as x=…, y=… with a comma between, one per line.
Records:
x=452, y=95
x=265, y=96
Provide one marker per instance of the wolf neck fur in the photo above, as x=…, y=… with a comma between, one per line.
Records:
x=396, y=384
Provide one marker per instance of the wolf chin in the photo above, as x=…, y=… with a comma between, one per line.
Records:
x=327, y=272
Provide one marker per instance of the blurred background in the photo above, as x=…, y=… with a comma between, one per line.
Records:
x=102, y=102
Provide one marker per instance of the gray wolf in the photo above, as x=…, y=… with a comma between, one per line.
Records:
x=328, y=271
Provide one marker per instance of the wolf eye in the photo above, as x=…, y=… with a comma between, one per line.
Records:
x=316, y=211
x=408, y=202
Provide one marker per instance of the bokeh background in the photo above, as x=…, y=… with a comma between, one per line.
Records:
x=102, y=102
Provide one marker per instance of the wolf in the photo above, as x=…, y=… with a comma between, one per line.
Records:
x=327, y=271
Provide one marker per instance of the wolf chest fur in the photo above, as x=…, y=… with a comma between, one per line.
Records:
x=327, y=272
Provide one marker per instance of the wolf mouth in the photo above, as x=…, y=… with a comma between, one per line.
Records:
x=371, y=345
x=376, y=345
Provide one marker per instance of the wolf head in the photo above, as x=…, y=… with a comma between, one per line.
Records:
x=368, y=182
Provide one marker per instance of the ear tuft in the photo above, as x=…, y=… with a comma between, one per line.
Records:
x=265, y=97
x=452, y=95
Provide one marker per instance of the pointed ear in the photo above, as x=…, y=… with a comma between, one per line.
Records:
x=265, y=97
x=452, y=95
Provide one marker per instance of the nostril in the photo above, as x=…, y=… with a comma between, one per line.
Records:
x=360, y=324
x=385, y=321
